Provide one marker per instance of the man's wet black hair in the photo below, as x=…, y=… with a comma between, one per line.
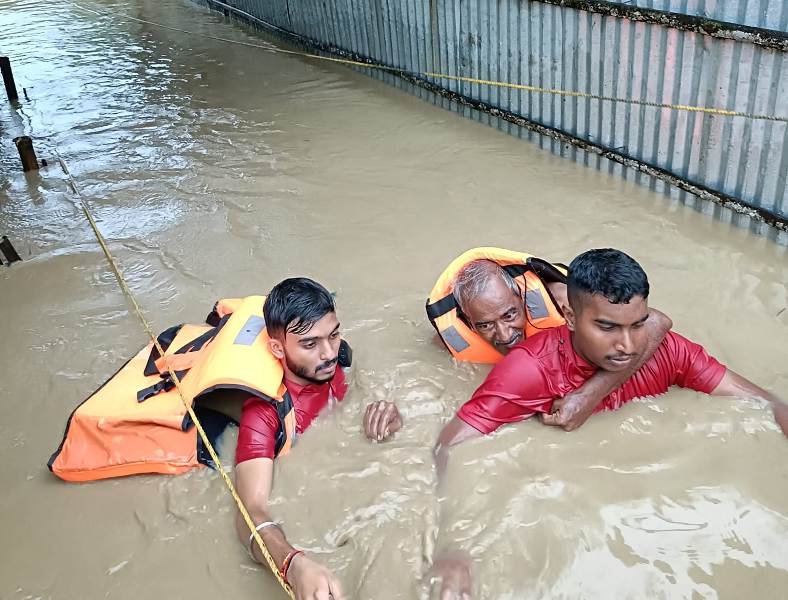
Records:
x=295, y=305
x=608, y=272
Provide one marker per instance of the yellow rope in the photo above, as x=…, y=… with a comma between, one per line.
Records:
x=504, y=84
x=214, y=456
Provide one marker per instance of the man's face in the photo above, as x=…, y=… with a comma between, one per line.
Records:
x=497, y=315
x=312, y=356
x=610, y=336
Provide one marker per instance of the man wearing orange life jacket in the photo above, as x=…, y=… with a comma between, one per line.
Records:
x=303, y=334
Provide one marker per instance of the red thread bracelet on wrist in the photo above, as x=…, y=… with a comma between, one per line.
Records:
x=286, y=564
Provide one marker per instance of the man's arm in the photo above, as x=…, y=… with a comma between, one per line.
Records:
x=454, y=432
x=733, y=384
x=309, y=579
x=571, y=411
x=452, y=568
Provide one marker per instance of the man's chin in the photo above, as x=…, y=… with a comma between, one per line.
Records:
x=505, y=348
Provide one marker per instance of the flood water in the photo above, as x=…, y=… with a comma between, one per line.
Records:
x=216, y=170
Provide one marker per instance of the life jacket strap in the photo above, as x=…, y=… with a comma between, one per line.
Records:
x=546, y=271
x=165, y=339
x=156, y=366
x=283, y=408
x=441, y=307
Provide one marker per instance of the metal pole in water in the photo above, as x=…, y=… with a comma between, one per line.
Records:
x=8, y=78
x=10, y=253
x=26, y=153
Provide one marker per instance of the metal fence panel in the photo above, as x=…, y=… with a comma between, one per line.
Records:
x=548, y=45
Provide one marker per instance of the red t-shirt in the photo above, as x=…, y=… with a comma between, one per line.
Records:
x=260, y=423
x=545, y=367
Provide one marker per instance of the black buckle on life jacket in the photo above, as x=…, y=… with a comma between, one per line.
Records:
x=165, y=385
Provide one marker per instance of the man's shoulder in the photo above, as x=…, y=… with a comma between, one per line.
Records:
x=675, y=345
x=255, y=411
x=541, y=345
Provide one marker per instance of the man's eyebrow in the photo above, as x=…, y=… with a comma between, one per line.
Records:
x=317, y=337
x=643, y=320
x=606, y=322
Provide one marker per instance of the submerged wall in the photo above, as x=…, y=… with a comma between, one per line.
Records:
x=733, y=167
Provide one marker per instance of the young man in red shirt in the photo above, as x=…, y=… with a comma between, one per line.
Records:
x=304, y=335
x=605, y=316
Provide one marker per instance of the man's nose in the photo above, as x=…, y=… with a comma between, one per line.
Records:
x=326, y=352
x=624, y=344
x=502, y=332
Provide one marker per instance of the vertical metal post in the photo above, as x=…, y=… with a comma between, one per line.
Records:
x=26, y=153
x=8, y=250
x=8, y=79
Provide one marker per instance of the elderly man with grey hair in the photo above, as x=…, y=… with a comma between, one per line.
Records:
x=492, y=303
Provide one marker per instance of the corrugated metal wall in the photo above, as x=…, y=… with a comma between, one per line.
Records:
x=768, y=14
x=553, y=46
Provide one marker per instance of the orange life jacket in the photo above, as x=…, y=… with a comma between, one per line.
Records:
x=529, y=272
x=136, y=423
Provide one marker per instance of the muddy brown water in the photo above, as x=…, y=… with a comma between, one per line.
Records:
x=217, y=170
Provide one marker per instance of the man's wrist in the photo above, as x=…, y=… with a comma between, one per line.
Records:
x=292, y=556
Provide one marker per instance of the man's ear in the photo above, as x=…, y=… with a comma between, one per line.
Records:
x=570, y=316
x=276, y=347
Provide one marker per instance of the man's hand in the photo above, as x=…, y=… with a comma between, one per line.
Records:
x=381, y=419
x=733, y=384
x=454, y=572
x=312, y=581
x=571, y=411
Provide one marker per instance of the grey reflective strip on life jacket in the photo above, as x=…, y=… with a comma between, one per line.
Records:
x=534, y=303
x=453, y=338
x=249, y=332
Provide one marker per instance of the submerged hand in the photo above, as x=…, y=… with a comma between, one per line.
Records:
x=312, y=581
x=454, y=572
x=381, y=419
x=571, y=411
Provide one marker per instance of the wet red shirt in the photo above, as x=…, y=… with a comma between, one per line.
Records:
x=259, y=421
x=545, y=367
